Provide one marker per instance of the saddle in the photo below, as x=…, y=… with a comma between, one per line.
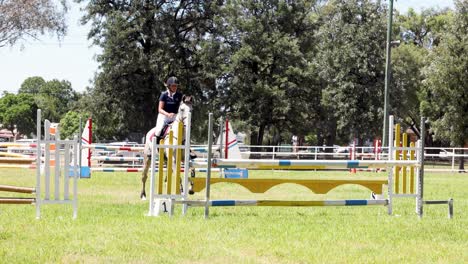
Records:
x=165, y=130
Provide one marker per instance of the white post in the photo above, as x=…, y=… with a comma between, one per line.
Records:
x=57, y=165
x=152, y=180
x=420, y=194
x=47, y=159
x=75, y=177
x=66, y=166
x=453, y=159
x=187, y=164
x=38, y=164
x=390, y=170
x=208, y=172
x=418, y=158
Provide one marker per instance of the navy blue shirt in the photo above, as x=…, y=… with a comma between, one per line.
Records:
x=171, y=104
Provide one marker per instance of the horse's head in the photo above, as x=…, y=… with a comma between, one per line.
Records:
x=185, y=108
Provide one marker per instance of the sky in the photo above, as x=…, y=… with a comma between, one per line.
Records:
x=73, y=59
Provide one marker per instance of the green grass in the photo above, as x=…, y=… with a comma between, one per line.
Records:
x=112, y=226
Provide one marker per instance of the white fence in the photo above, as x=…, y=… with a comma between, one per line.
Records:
x=437, y=159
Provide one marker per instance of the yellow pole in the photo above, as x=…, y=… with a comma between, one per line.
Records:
x=161, y=168
x=397, y=157
x=169, y=164
x=405, y=156
x=412, y=168
x=179, y=156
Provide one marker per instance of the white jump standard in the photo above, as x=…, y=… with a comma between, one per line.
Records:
x=63, y=173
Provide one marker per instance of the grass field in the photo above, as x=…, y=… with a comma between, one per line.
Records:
x=112, y=226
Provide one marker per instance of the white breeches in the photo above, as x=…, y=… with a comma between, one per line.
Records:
x=162, y=119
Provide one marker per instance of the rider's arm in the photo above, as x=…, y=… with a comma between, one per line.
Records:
x=161, y=108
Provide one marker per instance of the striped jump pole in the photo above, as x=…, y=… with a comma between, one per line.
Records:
x=114, y=148
x=118, y=169
x=119, y=159
x=285, y=203
x=259, y=164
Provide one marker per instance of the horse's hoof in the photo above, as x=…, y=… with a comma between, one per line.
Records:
x=143, y=196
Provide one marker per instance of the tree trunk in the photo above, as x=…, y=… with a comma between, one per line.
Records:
x=331, y=134
x=261, y=132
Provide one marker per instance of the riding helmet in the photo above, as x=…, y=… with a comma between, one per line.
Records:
x=172, y=80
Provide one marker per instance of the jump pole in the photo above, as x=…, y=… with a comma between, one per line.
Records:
x=8, y=188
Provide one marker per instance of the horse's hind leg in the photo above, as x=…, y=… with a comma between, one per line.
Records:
x=144, y=176
x=192, y=175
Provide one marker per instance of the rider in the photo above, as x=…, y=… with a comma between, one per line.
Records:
x=169, y=103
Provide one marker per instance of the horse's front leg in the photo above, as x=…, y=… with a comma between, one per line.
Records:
x=144, y=176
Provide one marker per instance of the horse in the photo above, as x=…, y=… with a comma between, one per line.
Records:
x=182, y=116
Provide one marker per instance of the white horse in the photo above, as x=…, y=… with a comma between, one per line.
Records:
x=182, y=116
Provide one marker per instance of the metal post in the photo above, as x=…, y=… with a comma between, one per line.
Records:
x=420, y=194
x=221, y=138
x=392, y=169
x=208, y=171
x=186, y=163
x=387, y=74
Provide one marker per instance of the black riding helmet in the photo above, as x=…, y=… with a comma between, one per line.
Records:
x=172, y=80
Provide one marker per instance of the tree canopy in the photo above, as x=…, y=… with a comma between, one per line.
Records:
x=20, y=19
x=18, y=112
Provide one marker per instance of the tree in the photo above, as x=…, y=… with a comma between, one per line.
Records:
x=406, y=82
x=422, y=29
x=54, y=97
x=18, y=111
x=143, y=43
x=418, y=33
x=350, y=64
x=70, y=124
x=267, y=79
x=445, y=96
x=32, y=85
x=20, y=19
